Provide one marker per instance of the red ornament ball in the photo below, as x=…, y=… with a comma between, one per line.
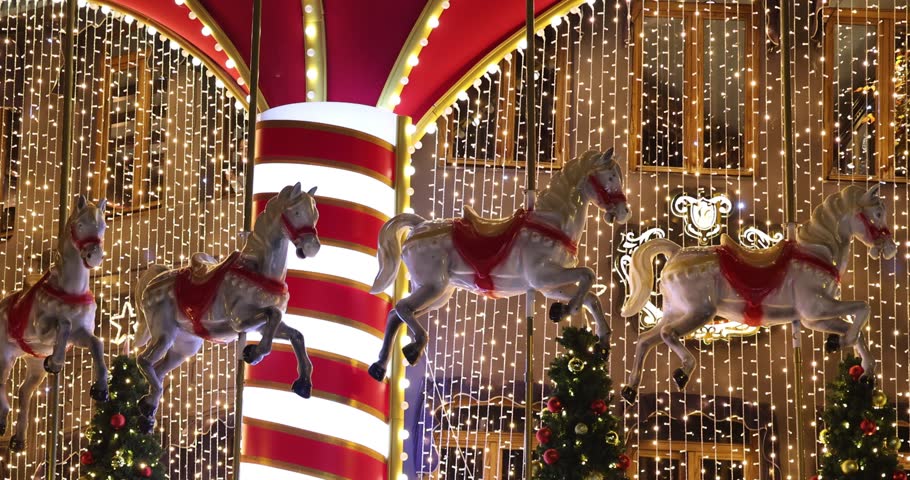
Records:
x=813, y=477
x=623, y=462
x=118, y=421
x=86, y=458
x=599, y=406
x=899, y=475
x=146, y=471
x=551, y=456
x=554, y=405
x=544, y=435
x=856, y=372
x=868, y=427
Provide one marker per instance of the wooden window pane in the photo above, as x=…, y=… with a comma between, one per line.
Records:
x=901, y=99
x=722, y=470
x=662, y=92
x=723, y=93
x=457, y=463
x=855, y=111
x=663, y=469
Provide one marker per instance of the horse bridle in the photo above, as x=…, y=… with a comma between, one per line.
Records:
x=608, y=198
x=83, y=243
x=875, y=233
x=295, y=233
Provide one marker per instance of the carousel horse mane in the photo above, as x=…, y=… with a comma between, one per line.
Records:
x=563, y=192
x=824, y=229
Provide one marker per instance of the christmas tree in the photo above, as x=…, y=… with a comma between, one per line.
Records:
x=117, y=450
x=859, y=436
x=579, y=439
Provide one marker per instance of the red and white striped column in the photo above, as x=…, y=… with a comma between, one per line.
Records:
x=350, y=152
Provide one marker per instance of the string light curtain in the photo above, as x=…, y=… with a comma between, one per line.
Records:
x=159, y=136
x=688, y=92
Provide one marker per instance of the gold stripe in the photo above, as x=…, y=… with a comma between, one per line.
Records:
x=333, y=242
x=494, y=57
x=217, y=70
x=319, y=437
x=225, y=41
x=291, y=467
x=412, y=46
x=264, y=197
x=328, y=317
x=315, y=18
x=322, y=162
x=332, y=397
x=324, y=127
x=324, y=277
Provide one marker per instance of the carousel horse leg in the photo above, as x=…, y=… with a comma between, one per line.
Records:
x=54, y=363
x=303, y=386
x=406, y=308
x=554, y=277
x=673, y=329
x=182, y=348
x=646, y=342
x=594, y=308
x=153, y=353
x=88, y=340
x=254, y=353
x=7, y=360
x=34, y=376
x=822, y=312
x=378, y=368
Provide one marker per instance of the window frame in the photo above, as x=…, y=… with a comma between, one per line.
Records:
x=692, y=453
x=694, y=15
x=126, y=61
x=884, y=20
x=505, y=153
x=493, y=444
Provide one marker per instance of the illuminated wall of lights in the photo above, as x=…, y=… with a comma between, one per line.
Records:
x=688, y=94
x=163, y=139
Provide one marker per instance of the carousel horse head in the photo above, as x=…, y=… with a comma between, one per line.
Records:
x=86, y=227
x=604, y=186
x=870, y=225
x=298, y=217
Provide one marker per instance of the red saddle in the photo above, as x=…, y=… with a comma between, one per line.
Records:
x=21, y=303
x=485, y=243
x=754, y=282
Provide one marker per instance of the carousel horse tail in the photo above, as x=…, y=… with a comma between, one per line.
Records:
x=389, y=253
x=641, y=273
x=143, y=334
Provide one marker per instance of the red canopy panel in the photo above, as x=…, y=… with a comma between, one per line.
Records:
x=282, y=52
x=176, y=18
x=363, y=40
x=467, y=31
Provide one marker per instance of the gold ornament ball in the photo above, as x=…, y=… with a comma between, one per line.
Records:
x=894, y=444
x=581, y=429
x=535, y=467
x=849, y=466
x=594, y=476
x=613, y=438
x=576, y=365
x=879, y=399
x=823, y=436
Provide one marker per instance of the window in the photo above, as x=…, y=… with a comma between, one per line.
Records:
x=130, y=140
x=694, y=104
x=867, y=113
x=488, y=122
x=666, y=460
x=9, y=172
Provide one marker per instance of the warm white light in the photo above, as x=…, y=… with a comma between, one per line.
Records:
x=340, y=262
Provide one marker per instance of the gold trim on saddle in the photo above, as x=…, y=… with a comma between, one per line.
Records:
x=489, y=227
x=757, y=258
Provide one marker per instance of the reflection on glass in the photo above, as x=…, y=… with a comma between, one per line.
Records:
x=724, y=94
x=901, y=101
x=457, y=463
x=856, y=57
x=512, y=465
x=722, y=470
x=664, y=469
x=662, y=92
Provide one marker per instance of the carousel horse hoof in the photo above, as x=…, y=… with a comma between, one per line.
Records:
x=99, y=392
x=681, y=378
x=832, y=344
x=377, y=371
x=629, y=395
x=558, y=312
x=302, y=387
x=146, y=424
x=51, y=367
x=411, y=353
x=16, y=444
x=250, y=355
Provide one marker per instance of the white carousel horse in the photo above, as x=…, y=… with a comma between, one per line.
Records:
x=181, y=308
x=502, y=257
x=791, y=281
x=42, y=320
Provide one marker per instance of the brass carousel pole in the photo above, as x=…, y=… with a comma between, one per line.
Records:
x=247, y=217
x=66, y=167
x=530, y=198
x=790, y=214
